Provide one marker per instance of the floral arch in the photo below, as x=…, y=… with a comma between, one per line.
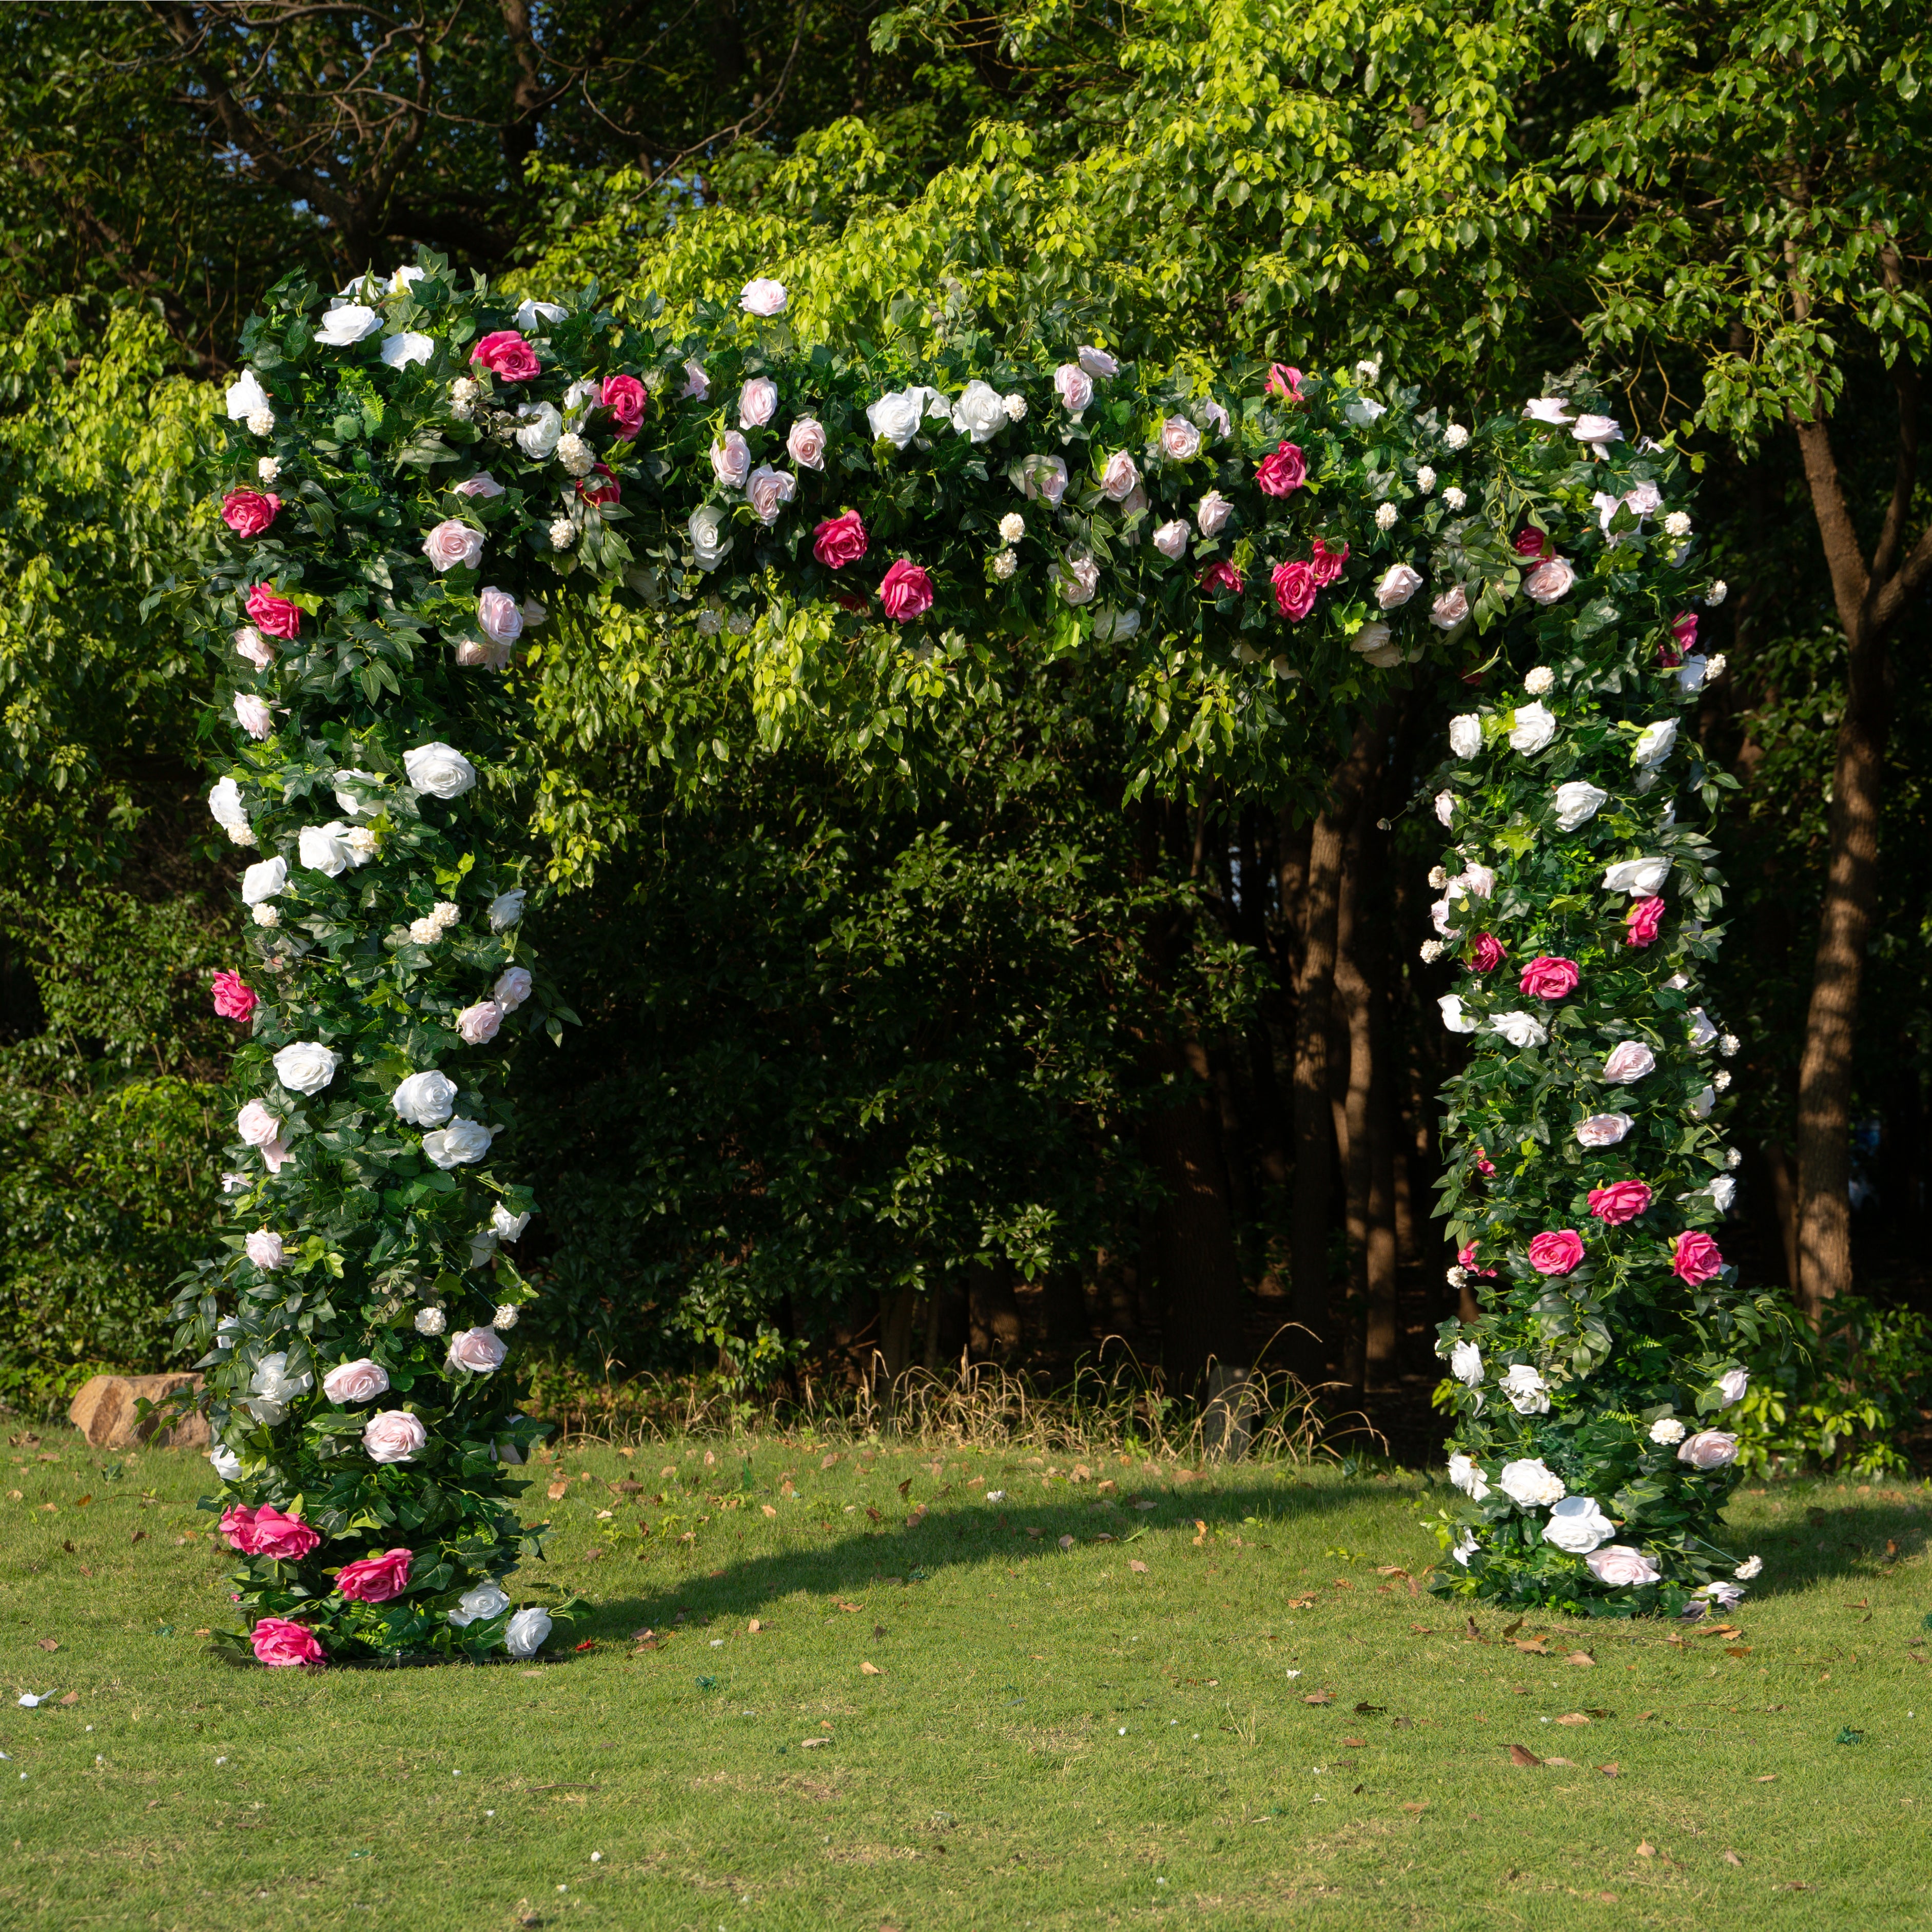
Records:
x=422, y=474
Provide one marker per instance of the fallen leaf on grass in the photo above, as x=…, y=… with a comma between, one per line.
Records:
x=870, y=1670
x=851, y=1610
x=754, y=1626
x=49, y=1643
x=1559, y=1760
x=1646, y=1850
x=1582, y=1656
x=1737, y=1650
x=1134, y=1564
x=1355, y=1744
x=1573, y=1717
x=559, y=1489
x=1319, y=1697
x=1031, y=1531
x=768, y=1509
x=1769, y=1777
x=1731, y=1858
x=72, y=1697
x=1519, y=1755
x=1066, y=1543
x=1612, y=1769
x=1421, y=1806
x=812, y=1744
x=139, y=1536
x=1531, y=1646
x=1200, y=1531
x=876, y=1517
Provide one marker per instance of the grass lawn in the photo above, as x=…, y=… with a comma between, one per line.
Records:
x=1109, y=1732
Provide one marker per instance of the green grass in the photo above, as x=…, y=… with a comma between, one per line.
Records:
x=1056, y=1738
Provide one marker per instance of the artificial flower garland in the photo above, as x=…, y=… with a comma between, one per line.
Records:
x=422, y=475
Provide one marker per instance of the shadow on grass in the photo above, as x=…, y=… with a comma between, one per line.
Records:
x=1848, y=1543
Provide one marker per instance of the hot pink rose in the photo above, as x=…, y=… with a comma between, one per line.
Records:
x=237, y=1525
x=376, y=1579
x=285, y=1538
x=1221, y=579
x=1294, y=588
x=232, y=1000
x=1644, y=919
x=1485, y=1166
x=248, y=513
x=1487, y=954
x=1556, y=1252
x=839, y=541
x=906, y=592
x=274, y=616
x=600, y=487
x=277, y=1641
x=1283, y=472
x=1549, y=978
x=1684, y=630
x=625, y=396
x=1283, y=381
x=1622, y=1201
x=1467, y=1259
x=1327, y=564
x=507, y=356
x=1531, y=542
x=1695, y=1257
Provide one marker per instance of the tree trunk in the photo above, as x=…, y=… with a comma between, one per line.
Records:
x=1064, y=1304
x=995, y=1310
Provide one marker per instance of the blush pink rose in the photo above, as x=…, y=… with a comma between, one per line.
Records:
x=1326, y=564
x=274, y=616
x=906, y=592
x=1695, y=1257
x=1622, y=1201
x=248, y=513
x=1221, y=579
x=376, y=1579
x=625, y=396
x=393, y=1435
x=839, y=541
x=1467, y=1259
x=237, y=1525
x=285, y=1538
x=1487, y=954
x=1709, y=1449
x=1283, y=381
x=277, y=1642
x=507, y=356
x=1550, y=580
x=356, y=1382
x=1547, y=978
x=451, y=545
x=232, y=1000
x=480, y=1351
x=477, y=1024
x=1556, y=1252
x=1282, y=472
x=1644, y=919
x=1531, y=542
x=1294, y=590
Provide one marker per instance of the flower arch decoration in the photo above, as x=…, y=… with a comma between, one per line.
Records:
x=422, y=474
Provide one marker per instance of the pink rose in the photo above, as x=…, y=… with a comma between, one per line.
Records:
x=600, y=487
x=731, y=459
x=477, y=1024
x=237, y=1525
x=769, y=490
x=287, y=1539
x=250, y=643
x=1283, y=472
x=1221, y=579
x=1709, y=1449
x=1531, y=542
x=1556, y=1252
x=1549, y=581
x=274, y=616
x=1485, y=1166
x=906, y=592
x=1074, y=386
x=1180, y=440
x=1549, y=978
x=376, y=1579
x=1326, y=564
x=393, y=1435
x=479, y=1350
x=1644, y=919
x=624, y=397
x=1628, y=1060
x=804, y=443
x=1118, y=479
x=257, y=1125
x=1283, y=381
x=1294, y=590
x=450, y=545
x=277, y=1641
x=513, y=986
x=1487, y=954
x=478, y=485
x=356, y=1382
x=1450, y=609
x=1684, y=631
x=839, y=541
x=264, y=1248
x=1171, y=539
x=232, y=1000
x=507, y=356
x=1695, y=1257
x=498, y=615
x=1622, y=1201
x=248, y=513
x=1467, y=1259
x=757, y=403
x=696, y=382
x=1620, y=1567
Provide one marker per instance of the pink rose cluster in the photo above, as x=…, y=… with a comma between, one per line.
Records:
x=1622, y=1201
x=376, y=1579
x=1645, y=920
x=268, y=1531
x=274, y=616
x=1222, y=579
x=625, y=398
x=1297, y=584
x=234, y=1000
x=1467, y=1259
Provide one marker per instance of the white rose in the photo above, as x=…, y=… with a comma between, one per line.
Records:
x=769, y=491
x=1096, y=361
x=1550, y=580
x=1654, y=744
x=479, y=1605
x=1466, y=1364
x=1397, y=586
x=1641, y=878
x=1528, y=1392
x=1520, y=1029
x=254, y=714
x=530, y=312
x=1622, y=1567
x=1603, y=1130
x=264, y=881
x=731, y=459
x=499, y=616
x=1118, y=479
x=1533, y=727
x=225, y=806
x=709, y=538
x=1723, y=1191
x=1375, y=642
x=1577, y=802
x=246, y=396
x=393, y=1435
x=696, y=382
x=305, y=1067
x=1445, y=807
x=1732, y=1385
x=256, y=1126
x=343, y=328
x=1464, y=1546
x=425, y=1099
x=542, y=427
x=264, y=1248
x=439, y=769
x=1179, y=439
x=757, y=403
x=759, y=296
x=1529, y=1484
x=1074, y=387
x=320, y=848
x=804, y=443
x=1453, y=1017
x=1467, y=1477
x=507, y=908
x=400, y=350
x=1702, y=1031
x=1078, y=578
x=1171, y=538
x=1547, y=409
x=1465, y=735
x=227, y=1464
x=506, y=1226
x=456, y=1145
x=979, y=412
x=1476, y=881
x=895, y=416
x=1597, y=430
x=361, y=1381
x=513, y=986
x=1702, y=1104
x=525, y=1632
x=1450, y=609
x=1578, y=1525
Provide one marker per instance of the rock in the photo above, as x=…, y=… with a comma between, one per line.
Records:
x=104, y=1412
